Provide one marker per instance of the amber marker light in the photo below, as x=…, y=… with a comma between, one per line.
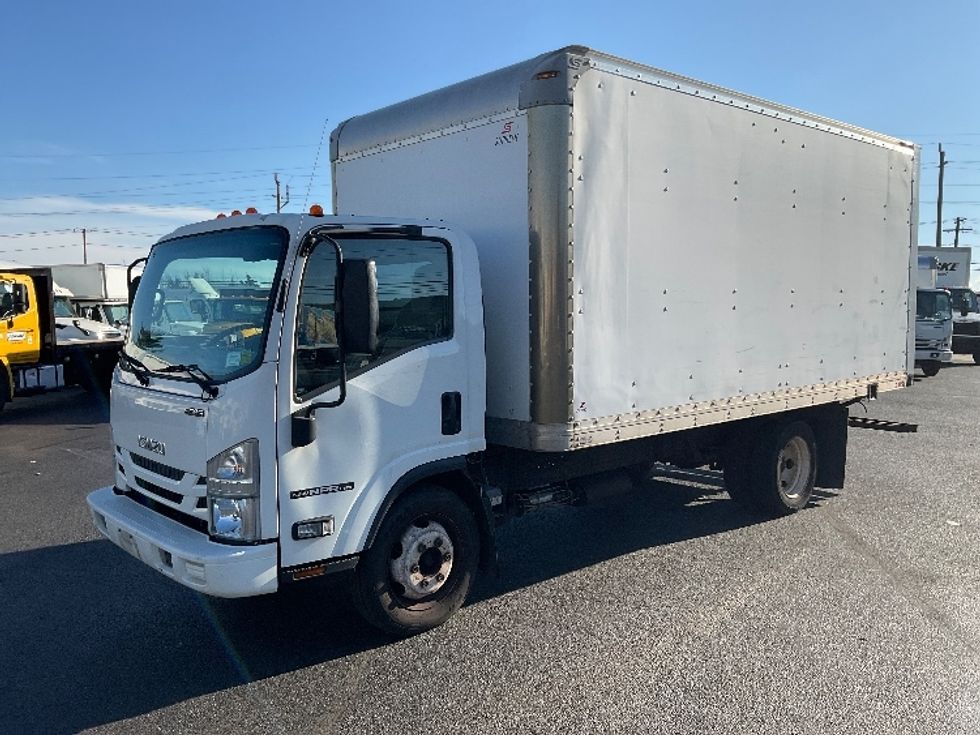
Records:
x=251, y=210
x=316, y=210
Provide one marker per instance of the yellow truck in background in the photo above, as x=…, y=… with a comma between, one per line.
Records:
x=44, y=344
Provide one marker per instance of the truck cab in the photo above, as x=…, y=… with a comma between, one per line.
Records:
x=933, y=329
x=372, y=334
x=966, y=323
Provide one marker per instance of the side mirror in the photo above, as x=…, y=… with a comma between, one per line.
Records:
x=360, y=306
x=20, y=298
x=303, y=430
x=133, y=281
x=359, y=315
x=133, y=285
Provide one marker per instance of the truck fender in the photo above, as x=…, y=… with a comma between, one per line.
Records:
x=452, y=474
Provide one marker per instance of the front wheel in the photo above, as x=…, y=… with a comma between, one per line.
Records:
x=930, y=368
x=421, y=566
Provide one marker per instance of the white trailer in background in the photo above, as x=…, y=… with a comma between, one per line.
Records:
x=953, y=274
x=641, y=267
x=100, y=291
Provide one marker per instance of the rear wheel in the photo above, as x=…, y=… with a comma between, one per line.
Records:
x=775, y=470
x=421, y=566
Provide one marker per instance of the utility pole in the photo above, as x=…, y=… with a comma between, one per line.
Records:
x=939, y=199
x=84, y=244
x=280, y=201
x=958, y=229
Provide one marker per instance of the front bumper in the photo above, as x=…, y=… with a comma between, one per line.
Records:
x=184, y=555
x=933, y=355
x=966, y=344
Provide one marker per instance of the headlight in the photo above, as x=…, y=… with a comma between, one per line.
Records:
x=234, y=519
x=233, y=493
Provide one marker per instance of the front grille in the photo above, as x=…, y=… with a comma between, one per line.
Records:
x=928, y=344
x=157, y=468
x=162, y=492
x=198, y=524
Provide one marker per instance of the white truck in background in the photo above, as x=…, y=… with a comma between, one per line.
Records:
x=99, y=291
x=933, y=319
x=954, y=275
x=604, y=299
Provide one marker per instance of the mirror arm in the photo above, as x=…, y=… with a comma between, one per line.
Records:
x=303, y=424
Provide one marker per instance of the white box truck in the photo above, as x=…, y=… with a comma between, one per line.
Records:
x=933, y=319
x=953, y=274
x=99, y=291
x=641, y=268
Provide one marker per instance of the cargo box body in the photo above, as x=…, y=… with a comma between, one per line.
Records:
x=952, y=265
x=656, y=253
x=93, y=281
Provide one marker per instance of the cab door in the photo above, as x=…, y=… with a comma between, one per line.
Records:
x=20, y=343
x=389, y=416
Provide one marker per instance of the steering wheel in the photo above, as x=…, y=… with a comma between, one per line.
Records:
x=221, y=339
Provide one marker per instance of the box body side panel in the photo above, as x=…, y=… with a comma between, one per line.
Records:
x=475, y=177
x=721, y=252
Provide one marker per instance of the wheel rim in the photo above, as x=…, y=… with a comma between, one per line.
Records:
x=793, y=469
x=422, y=559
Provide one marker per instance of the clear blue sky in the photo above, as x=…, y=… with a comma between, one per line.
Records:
x=128, y=119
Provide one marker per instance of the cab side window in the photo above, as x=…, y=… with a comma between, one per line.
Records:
x=317, y=354
x=414, y=300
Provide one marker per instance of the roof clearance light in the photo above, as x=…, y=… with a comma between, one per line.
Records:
x=236, y=213
x=251, y=210
x=221, y=215
x=546, y=75
x=316, y=210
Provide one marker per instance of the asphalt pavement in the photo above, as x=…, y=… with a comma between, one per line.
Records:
x=670, y=610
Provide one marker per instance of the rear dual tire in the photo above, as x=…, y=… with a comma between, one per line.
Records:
x=774, y=470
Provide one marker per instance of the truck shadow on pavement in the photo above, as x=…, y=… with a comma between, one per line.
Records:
x=92, y=636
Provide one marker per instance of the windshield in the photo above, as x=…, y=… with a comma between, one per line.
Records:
x=933, y=305
x=117, y=313
x=63, y=307
x=226, y=342
x=963, y=297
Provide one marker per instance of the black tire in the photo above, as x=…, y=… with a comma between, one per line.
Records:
x=4, y=387
x=764, y=471
x=405, y=609
x=976, y=358
x=930, y=368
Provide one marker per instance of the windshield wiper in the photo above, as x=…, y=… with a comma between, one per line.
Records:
x=137, y=368
x=195, y=373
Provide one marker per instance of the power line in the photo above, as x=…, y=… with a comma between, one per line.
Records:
x=262, y=171
x=152, y=153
